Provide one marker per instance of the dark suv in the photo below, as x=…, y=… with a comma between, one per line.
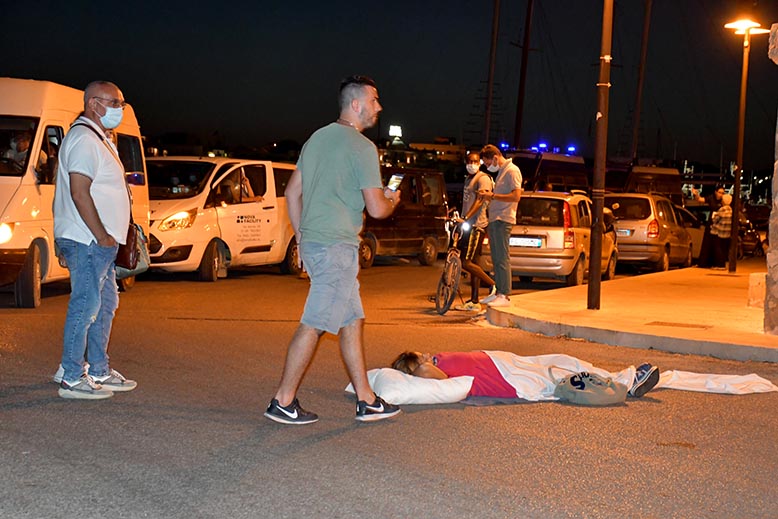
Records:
x=417, y=227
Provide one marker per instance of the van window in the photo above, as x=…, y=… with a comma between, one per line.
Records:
x=665, y=211
x=253, y=183
x=432, y=189
x=130, y=152
x=227, y=192
x=13, y=159
x=282, y=176
x=50, y=148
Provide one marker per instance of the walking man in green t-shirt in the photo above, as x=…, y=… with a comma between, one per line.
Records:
x=337, y=177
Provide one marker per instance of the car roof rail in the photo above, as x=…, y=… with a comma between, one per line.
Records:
x=578, y=192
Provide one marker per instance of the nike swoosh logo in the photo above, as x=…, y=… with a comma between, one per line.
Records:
x=379, y=409
x=287, y=413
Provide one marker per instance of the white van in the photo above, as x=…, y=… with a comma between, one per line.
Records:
x=43, y=111
x=209, y=214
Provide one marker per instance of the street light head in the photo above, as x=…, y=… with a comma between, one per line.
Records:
x=742, y=25
x=752, y=31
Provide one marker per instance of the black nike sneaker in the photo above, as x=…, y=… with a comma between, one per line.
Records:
x=292, y=414
x=378, y=410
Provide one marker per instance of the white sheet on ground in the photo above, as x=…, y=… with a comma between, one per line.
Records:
x=713, y=383
x=532, y=380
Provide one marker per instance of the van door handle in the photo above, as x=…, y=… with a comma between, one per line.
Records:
x=268, y=207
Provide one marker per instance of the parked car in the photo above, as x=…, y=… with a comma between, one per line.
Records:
x=649, y=232
x=551, y=238
x=211, y=214
x=417, y=227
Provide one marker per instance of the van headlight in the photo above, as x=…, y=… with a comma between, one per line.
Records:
x=6, y=232
x=178, y=221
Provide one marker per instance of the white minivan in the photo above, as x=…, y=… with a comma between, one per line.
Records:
x=34, y=118
x=209, y=214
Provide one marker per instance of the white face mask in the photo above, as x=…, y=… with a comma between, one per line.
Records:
x=472, y=168
x=112, y=117
x=492, y=168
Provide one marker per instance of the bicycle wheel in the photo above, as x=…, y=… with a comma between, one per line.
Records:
x=448, y=286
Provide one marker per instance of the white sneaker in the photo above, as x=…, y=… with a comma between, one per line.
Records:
x=470, y=306
x=500, y=301
x=83, y=389
x=61, y=373
x=115, y=381
x=488, y=299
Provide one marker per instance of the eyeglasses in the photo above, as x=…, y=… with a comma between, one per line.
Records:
x=113, y=103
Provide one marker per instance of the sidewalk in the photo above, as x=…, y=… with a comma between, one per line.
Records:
x=694, y=310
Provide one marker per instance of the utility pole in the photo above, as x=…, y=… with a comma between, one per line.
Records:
x=490, y=82
x=771, y=283
x=523, y=76
x=600, y=154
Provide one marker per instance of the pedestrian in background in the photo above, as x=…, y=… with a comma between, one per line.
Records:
x=91, y=218
x=337, y=176
x=472, y=239
x=721, y=232
x=707, y=248
x=503, y=202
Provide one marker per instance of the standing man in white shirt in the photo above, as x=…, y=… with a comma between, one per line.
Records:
x=503, y=202
x=91, y=218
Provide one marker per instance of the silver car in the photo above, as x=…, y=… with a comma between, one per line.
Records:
x=551, y=238
x=650, y=233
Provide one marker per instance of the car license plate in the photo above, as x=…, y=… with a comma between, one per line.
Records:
x=523, y=241
x=624, y=232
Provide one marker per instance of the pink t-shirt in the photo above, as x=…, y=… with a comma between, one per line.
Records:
x=487, y=380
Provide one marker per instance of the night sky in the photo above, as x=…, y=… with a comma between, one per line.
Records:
x=262, y=71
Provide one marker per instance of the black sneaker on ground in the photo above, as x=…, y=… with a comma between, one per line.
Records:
x=378, y=410
x=646, y=377
x=292, y=414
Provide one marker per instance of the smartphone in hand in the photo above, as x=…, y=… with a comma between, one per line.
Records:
x=395, y=181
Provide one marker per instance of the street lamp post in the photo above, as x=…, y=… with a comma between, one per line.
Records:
x=746, y=27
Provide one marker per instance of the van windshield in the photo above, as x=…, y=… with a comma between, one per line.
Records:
x=17, y=135
x=173, y=179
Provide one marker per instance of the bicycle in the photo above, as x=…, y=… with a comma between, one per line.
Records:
x=448, y=285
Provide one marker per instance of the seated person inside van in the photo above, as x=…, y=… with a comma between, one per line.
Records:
x=19, y=147
x=247, y=192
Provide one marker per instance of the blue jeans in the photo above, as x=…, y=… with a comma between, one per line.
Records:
x=94, y=298
x=499, y=238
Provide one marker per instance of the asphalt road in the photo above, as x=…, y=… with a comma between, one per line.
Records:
x=191, y=441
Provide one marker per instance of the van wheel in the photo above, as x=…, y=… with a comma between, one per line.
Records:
x=126, y=284
x=576, y=277
x=27, y=287
x=663, y=264
x=429, y=251
x=610, y=270
x=290, y=264
x=209, y=266
x=367, y=249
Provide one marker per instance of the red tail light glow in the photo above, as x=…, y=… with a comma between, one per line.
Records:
x=569, y=234
x=653, y=229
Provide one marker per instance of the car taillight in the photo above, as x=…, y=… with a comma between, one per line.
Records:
x=569, y=234
x=653, y=229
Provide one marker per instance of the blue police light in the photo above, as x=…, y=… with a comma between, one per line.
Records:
x=571, y=149
x=542, y=145
x=535, y=149
x=504, y=145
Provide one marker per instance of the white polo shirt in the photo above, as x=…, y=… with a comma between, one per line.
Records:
x=84, y=152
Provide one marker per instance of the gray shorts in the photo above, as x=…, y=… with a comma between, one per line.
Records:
x=333, y=299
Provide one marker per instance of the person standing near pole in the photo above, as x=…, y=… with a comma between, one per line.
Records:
x=503, y=202
x=337, y=177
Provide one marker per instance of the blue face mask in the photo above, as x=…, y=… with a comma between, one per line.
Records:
x=112, y=117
